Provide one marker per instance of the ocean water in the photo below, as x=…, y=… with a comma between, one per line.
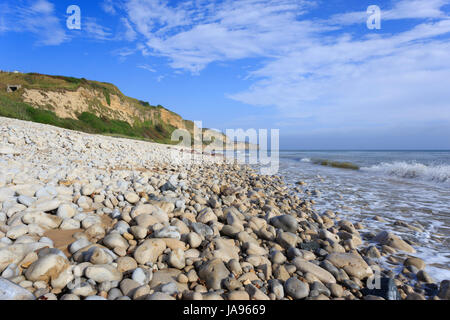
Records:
x=408, y=186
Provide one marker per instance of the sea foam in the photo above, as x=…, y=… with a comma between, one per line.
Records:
x=414, y=170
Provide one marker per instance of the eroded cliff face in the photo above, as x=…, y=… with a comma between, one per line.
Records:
x=69, y=104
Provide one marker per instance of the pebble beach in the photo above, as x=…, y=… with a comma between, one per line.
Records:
x=91, y=217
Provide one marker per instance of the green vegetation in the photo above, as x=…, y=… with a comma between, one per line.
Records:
x=107, y=96
x=336, y=164
x=87, y=122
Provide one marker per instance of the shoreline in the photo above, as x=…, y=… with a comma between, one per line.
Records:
x=95, y=217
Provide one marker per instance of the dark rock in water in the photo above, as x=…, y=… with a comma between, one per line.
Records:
x=431, y=289
x=168, y=187
x=444, y=290
x=310, y=246
x=387, y=290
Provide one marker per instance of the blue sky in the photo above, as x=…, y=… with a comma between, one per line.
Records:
x=310, y=68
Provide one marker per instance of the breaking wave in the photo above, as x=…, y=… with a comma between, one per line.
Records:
x=435, y=173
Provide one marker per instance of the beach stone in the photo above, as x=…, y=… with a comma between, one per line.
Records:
x=255, y=293
x=206, y=215
x=176, y=259
x=70, y=224
x=320, y=273
x=132, y=197
x=146, y=220
x=310, y=246
x=225, y=249
x=103, y=273
x=78, y=245
x=238, y=295
x=84, y=289
x=373, y=252
x=287, y=239
x=423, y=276
x=254, y=249
x=87, y=190
x=416, y=262
x=125, y=264
x=149, y=251
x=164, y=276
x=85, y=202
x=66, y=211
x=415, y=296
x=352, y=264
x=99, y=256
x=114, y=240
x=139, y=276
x=45, y=206
x=169, y=288
x=42, y=219
x=285, y=222
x=26, y=200
x=277, y=257
x=213, y=272
x=194, y=240
x=277, y=288
x=139, y=232
x=296, y=288
x=11, y=291
x=46, y=268
x=444, y=290
x=17, y=231
x=393, y=241
x=70, y=296
x=168, y=232
x=319, y=288
x=95, y=298
x=159, y=296
x=336, y=290
x=202, y=229
x=128, y=287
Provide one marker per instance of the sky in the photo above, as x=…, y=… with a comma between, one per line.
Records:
x=311, y=68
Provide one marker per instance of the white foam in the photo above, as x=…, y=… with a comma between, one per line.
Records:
x=305, y=160
x=414, y=170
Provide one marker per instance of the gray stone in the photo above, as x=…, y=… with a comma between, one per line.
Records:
x=296, y=289
x=213, y=272
x=11, y=291
x=285, y=222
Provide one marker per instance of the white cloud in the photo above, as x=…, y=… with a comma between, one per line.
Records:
x=146, y=67
x=94, y=30
x=127, y=33
x=404, y=9
x=193, y=36
x=36, y=17
x=108, y=6
x=314, y=79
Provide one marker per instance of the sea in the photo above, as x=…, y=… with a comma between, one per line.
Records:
x=399, y=186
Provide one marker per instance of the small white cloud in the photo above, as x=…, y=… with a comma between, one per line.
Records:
x=94, y=30
x=404, y=9
x=108, y=6
x=146, y=67
x=127, y=33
